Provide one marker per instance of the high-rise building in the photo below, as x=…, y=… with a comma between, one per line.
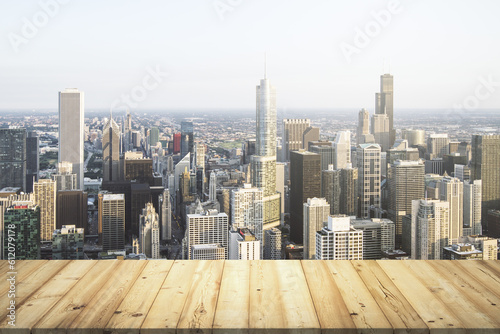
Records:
x=339, y=241
x=247, y=211
x=342, y=146
x=149, y=232
x=6, y=202
x=331, y=189
x=429, y=229
x=378, y=236
x=472, y=208
x=363, y=126
x=200, y=155
x=166, y=215
x=384, y=103
x=208, y=252
x=348, y=204
x=488, y=245
x=293, y=131
x=26, y=219
x=65, y=178
x=462, y=172
x=154, y=136
x=71, y=111
x=368, y=156
x=67, y=243
x=111, y=151
x=44, y=195
x=210, y=227
x=177, y=143
x=280, y=186
x=452, y=191
x=243, y=245
x=71, y=209
x=212, y=187
x=311, y=134
x=437, y=145
x=316, y=213
x=381, y=131
x=112, y=221
x=414, y=137
x=272, y=248
x=405, y=183
x=485, y=166
x=305, y=182
x=327, y=154
x=13, y=158
x=32, y=160
x=187, y=138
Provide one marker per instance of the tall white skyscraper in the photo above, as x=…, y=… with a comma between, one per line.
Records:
x=452, y=191
x=212, y=187
x=342, y=145
x=243, y=245
x=430, y=222
x=472, y=208
x=44, y=195
x=384, y=103
x=149, y=232
x=71, y=130
x=339, y=241
x=363, y=126
x=166, y=215
x=209, y=228
x=381, y=130
x=368, y=156
x=316, y=213
x=437, y=145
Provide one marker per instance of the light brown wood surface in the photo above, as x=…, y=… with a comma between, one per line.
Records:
x=160, y=296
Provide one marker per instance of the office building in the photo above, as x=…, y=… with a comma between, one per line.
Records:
x=272, y=248
x=342, y=146
x=311, y=134
x=437, y=146
x=327, y=154
x=348, y=204
x=368, y=156
x=44, y=195
x=293, y=132
x=381, y=130
x=149, y=232
x=26, y=219
x=316, y=213
x=67, y=243
x=71, y=124
x=32, y=160
x=489, y=246
x=210, y=227
x=243, y=245
x=462, y=252
x=414, y=137
x=166, y=216
x=305, y=182
x=154, y=136
x=199, y=158
x=462, y=172
x=208, y=252
x=378, y=236
x=405, y=183
x=65, y=178
x=339, y=241
x=187, y=138
x=7, y=201
x=452, y=191
x=13, y=158
x=71, y=209
x=485, y=166
x=212, y=187
x=111, y=151
x=331, y=188
x=384, y=102
x=472, y=208
x=112, y=221
x=177, y=143
x=430, y=225
x=363, y=126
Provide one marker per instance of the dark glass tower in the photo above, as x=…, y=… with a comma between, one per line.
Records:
x=13, y=158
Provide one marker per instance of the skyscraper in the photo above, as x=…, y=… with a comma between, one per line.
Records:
x=71, y=110
x=363, y=126
x=210, y=227
x=112, y=221
x=378, y=236
x=111, y=151
x=166, y=215
x=71, y=209
x=485, y=166
x=243, y=245
x=44, y=195
x=384, y=103
x=149, y=232
x=212, y=187
x=348, y=204
x=316, y=213
x=305, y=182
x=339, y=240
x=67, y=243
x=437, y=145
x=381, y=130
x=65, y=178
x=272, y=248
x=368, y=156
x=330, y=188
x=472, y=208
x=13, y=158
x=405, y=184
x=26, y=219
x=32, y=160
x=452, y=191
x=342, y=146
x=187, y=138
x=429, y=229
x=293, y=131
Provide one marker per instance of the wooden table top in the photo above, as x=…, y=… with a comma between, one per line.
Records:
x=162, y=296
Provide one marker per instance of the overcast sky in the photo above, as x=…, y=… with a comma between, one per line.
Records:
x=439, y=52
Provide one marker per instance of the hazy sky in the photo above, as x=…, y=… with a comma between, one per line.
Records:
x=213, y=51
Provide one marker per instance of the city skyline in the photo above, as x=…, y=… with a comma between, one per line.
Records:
x=318, y=45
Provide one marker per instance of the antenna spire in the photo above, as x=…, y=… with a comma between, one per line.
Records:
x=265, y=65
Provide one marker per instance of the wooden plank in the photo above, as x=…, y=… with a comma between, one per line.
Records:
x=101, y=308
x=231, y=315
x=165, y=312
x=279, y=299
x=42, y=300
x=399, y=312
x=333, y=315
x=199, y=310
x=475, y=291
x=62, y=314
x=364, y=310
x=37, y=278
x=131, y=313
x=433, y=311
x=23, y=270
x=4, y=266
x=470, y=316
x=482, y=274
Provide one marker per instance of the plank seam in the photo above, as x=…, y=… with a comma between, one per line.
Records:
x=218, y=293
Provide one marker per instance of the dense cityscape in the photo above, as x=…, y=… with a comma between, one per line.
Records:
x=225, y=185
